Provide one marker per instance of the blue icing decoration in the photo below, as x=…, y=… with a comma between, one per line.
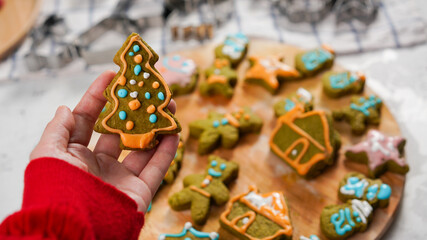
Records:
x=137, y=70
x=371, y=102
x=153, y=118
x=172, y=68
x=136, y=48
x=103, y=110
x=315, y=58
x=131, y=54
x=122, y=115
x=224, y=121
x=184, y=64
x=149, y=208
x=214, y=163
x=223, y=166
x=122, y=93
x=236, y=46
x=241, y=36
x=354, y=186
x=338, y=219
x=341, y=80
x=176, y=58
x=187, y=239
x=356, y=214
x=385, y=192
x=314, y=237
x=216, y=123
x=358, y=219
x=161, y=96
x=214, y=173
x=372, y=191
x=147, y=95
x=194, y=232
x=289, y=105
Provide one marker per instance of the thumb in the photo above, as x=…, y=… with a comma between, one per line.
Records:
x=56, y=134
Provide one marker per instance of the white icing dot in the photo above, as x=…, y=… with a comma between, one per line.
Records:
x=213, y=235
x=188, y=225
x=206, y=181
x=146, y=75
x=134, y=94
x=245, y=220
x=294, y=152
x=217, y=71
x=162, y=237
x=132, y=82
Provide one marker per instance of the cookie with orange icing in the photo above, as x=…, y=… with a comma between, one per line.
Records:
x=175, y=164
x=220, y=79
x=253, y=215
x=269, y=72
x=137, y=99
x=306, y=141
x=300, y=97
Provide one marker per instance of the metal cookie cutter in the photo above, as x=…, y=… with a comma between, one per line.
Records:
x=363, y=10
x=305, y=10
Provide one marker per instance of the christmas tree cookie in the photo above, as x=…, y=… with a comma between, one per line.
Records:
x=342, y=221
x=252, y=215
x=138, y=98
x=180, y=73
x=269, y=71
x=381, y=153
x=190, y=233
x=311, y=62
x=300, y=97
x=200, y=189
x=233, y=49
x=224, y=129
x=306, y=141
x=356, y=186
x=338, y=84
x=220, y=79
x=362, y=111
x=175, y=164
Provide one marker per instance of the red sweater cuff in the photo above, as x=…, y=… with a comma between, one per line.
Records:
x=54, y=189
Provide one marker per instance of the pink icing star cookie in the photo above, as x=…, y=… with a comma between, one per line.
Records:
x=179, y=72
x=381, y=153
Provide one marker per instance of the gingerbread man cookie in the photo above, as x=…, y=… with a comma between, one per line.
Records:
x=220, y=80
x=338, y=84
x=311, y=62
x=175, y=164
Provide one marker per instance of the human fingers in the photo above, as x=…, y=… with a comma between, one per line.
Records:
x=108, y=144
x=137, y=160
x=172, y=106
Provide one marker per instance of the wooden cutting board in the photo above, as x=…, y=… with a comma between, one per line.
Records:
x=258, y=165
x=16, y=19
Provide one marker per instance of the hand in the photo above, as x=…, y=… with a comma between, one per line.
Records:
x=66, y=137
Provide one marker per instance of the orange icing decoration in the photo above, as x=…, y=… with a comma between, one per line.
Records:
x=289, y=119
x=328, y=48
x=277, y=211
x=247, y=117
x=241, y=111
x=180, y=144
x=139, y=140
x=151, y=108
x=121, y=80
x=217, y=79
x=156, y=85
x=220, y=63
x=138, y=58
x=268, y=69
x=232, y=121
x=134, y=104
x=203, y=192
x=237, y=116
x=129, y=125
x=361, y=76
x=141, y=84
x=209, y=177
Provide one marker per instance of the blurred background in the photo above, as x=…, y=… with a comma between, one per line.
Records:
x=51, y=51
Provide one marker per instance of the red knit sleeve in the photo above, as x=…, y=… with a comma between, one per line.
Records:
x=61, y=201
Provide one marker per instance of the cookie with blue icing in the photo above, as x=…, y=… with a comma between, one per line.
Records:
x=344, y=220
x=361, y=112
x=189, y=233
x=300, y=97
x=338, y=84
x=234, y=48
x=201, y=190
x=311, y=62
x=220, y=79
x=224, y=129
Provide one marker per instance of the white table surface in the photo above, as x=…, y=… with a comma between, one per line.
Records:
x=397, y=75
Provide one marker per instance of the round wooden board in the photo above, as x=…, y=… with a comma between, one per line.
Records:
x=16, y=19
x=258, y=165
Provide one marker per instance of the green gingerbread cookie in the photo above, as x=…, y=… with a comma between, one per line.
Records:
x=220, y=80
x=233, y=49
x=311, y=62
x=224, y=129
x=175, y=164
x=301, y=96
x=338, y=84
x=200, y=189
x=362, y=111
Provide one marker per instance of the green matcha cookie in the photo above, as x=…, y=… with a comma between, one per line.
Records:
x=356, y=186
x=362, y=111
x=342, y=221
x=189, y=233
x=311, y=62
x=338, y=84
x=137, y=99
x=175, y=164
x=220, y=80
x=300, y=97
x=233, y=49
x=224, y=129
x=306, y=141
x=200, y=189
x=258, y=216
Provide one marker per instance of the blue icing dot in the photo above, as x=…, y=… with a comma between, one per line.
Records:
x=222, y=166
x=122, y=115
x=161, y=96
x=289, y=104
x=216, y=123
x=135, y=48
x=353, y=180
x=149, y=207
x=358, y=219
x=385, y=192
x=184, y=64
x=214, y=163
x=314, y=237
x=137, y=70
x=122, y=93
x=176, y=57
x=224, y=121
x=147, y=95
x=356, y=214
x=153, y=118
x=103, y=110
x=187, y=238
x=131, y=53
